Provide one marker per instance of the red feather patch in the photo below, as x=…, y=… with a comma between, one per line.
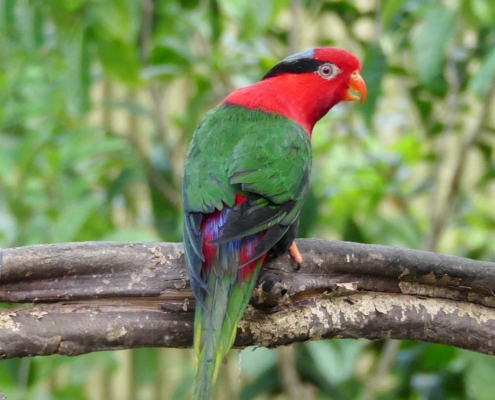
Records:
x=211, y=228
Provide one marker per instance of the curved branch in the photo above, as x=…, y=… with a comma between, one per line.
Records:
x=85, y=297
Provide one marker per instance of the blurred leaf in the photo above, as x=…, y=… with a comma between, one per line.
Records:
x=8, y=369
x=216, y=21
x=189, y=4
x=259, y=367
x=257, y=360
x=146, y=366
x=72, y=218
x=485, y=11
x=118, y=20
x=309, y=215
x=481, y=370
x=184, y=388
x=70, y=392
x=265, y=383
x=353, y=233
x=8, y=13
x=390, y=10
x=6, y=163
x=43, y=368
x=374, y=68
x=484, y=79
x=170, y=50
x=429, y=386
x=487, y=177
x=335, y=359
x=83, y=367
x=120, y=60
x=486, y=149
x=345, y=9
x=436, y=356
x=78, y=62
x=431, y=39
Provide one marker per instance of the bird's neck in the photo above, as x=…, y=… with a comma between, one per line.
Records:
x=290, y=96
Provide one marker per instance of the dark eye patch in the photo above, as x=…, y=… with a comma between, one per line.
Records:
x=299, y=66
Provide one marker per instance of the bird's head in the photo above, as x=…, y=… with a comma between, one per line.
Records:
x=306, y=85
x=329, y=71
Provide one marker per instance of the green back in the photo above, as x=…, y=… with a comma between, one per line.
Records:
x=238, y=150
x=230, y=139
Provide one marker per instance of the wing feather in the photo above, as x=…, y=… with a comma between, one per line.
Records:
x=263, y=156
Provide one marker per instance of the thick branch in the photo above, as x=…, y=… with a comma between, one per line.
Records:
x=94, y=296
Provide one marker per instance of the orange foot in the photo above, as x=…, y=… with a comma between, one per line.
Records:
x=295, y=253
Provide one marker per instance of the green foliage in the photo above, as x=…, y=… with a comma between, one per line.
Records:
x=430, y=43
x=99, y=102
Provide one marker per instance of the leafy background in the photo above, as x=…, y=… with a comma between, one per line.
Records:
x=99, y=99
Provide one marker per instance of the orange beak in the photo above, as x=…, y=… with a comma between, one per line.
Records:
x=356, y=84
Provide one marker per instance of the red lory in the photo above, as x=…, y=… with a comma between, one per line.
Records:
x=246, y=177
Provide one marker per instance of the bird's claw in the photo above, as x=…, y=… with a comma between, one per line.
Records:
x=295, y=253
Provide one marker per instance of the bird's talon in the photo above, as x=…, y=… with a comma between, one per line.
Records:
x=295, y=253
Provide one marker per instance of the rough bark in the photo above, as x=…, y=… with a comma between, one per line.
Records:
x=84, y=297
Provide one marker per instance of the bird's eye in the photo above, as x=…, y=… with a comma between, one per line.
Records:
x=328, y=71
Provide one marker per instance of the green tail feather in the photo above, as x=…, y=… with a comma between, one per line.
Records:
x=216, y=327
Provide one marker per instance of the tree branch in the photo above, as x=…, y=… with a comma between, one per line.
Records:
x=92, y=296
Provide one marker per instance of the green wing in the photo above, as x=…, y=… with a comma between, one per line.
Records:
x=263, y=156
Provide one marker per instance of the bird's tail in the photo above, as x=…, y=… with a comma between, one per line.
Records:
x=216, y=326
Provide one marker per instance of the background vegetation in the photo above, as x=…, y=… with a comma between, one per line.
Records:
x=98, y=102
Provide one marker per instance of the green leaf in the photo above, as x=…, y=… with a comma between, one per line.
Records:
x=430, y=41
x=345, y=9
x=72, y=218
x=120, y=60
x=390, y=10
x=309, y=215
x=265, y=383
x=255, y=361
x=70, y=392
x=29, y=149
x=481, y=82
x=78, y=79
x=353, y=232
x=485, y=11
x=118, y=19
x=7, y=161
x=335, y=359
x=374, y=69
x=216, y=22
x=479, y=376
x=146, y=365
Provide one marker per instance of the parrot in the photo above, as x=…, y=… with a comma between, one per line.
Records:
x=245, y=179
